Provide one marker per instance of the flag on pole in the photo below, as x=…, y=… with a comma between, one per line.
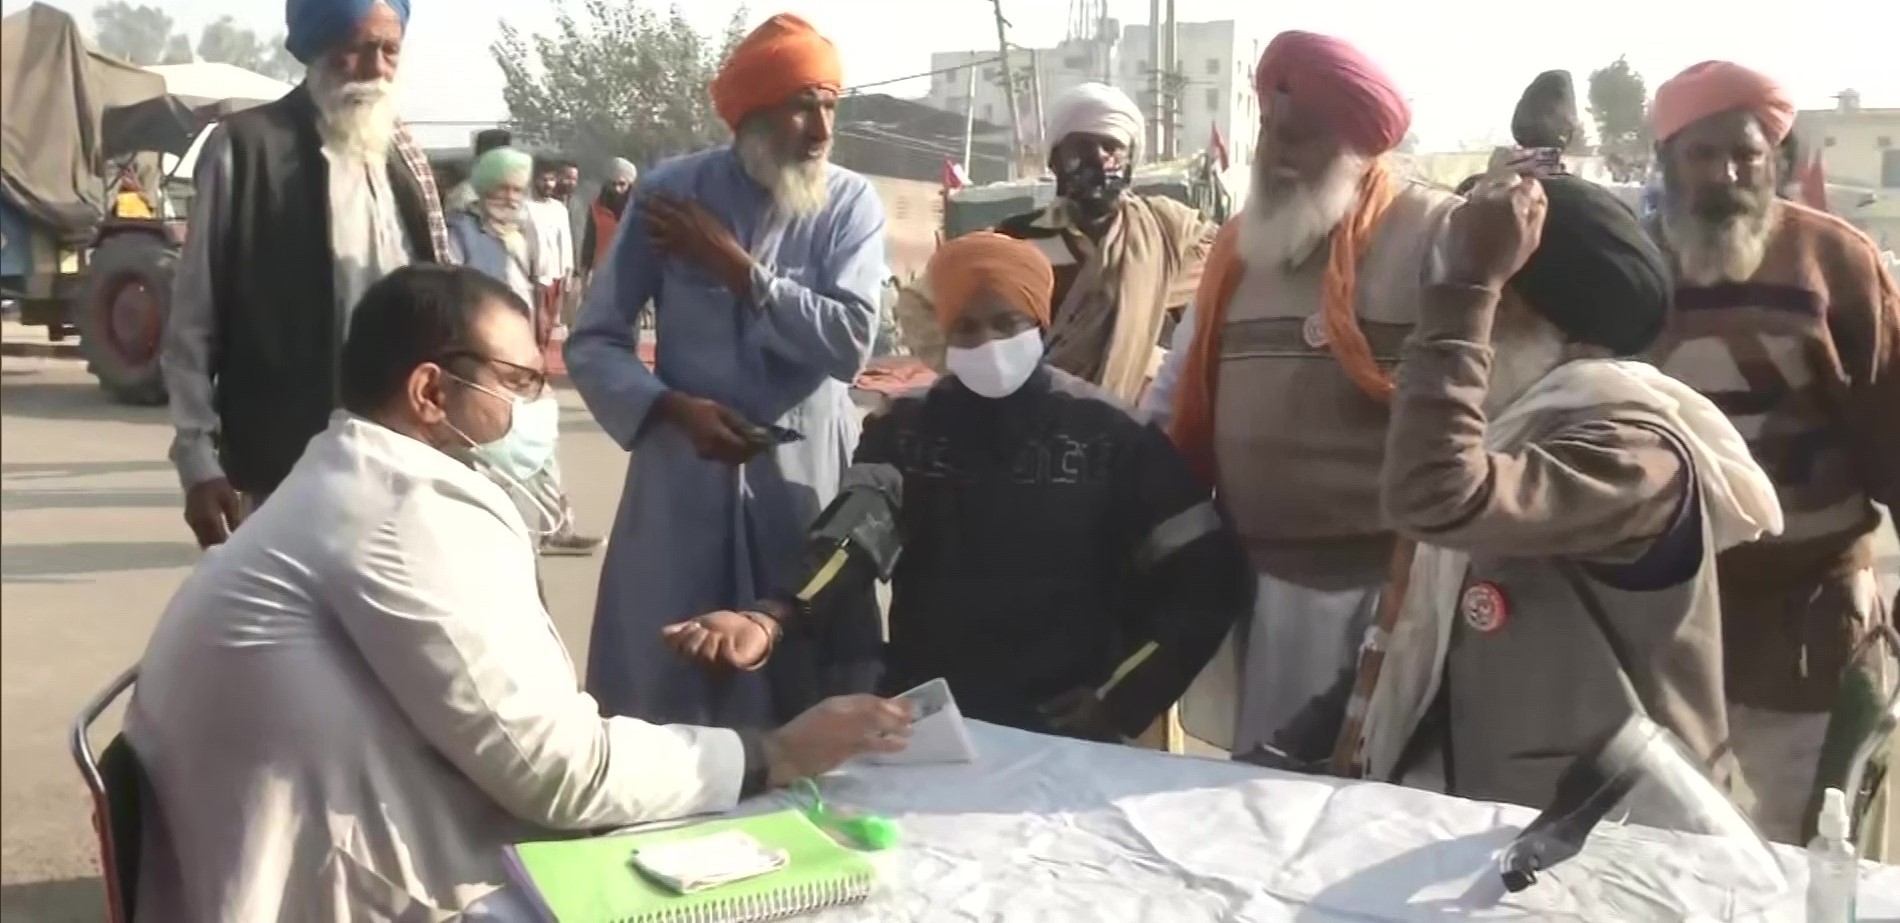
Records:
x=953, y=176
x=1217, y=147
x=1813, y=183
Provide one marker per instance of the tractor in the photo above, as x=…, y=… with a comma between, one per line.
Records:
x=74, y=115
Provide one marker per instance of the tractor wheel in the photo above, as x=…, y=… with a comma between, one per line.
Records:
x=121, y=315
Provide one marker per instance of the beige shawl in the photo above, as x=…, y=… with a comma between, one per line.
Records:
x=1148, y=263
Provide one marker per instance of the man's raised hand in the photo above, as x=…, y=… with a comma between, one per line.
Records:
x=1493, y=234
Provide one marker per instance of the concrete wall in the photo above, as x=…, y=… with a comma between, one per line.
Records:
x=1216, y=60
x=913, y=212
x=1858, y=148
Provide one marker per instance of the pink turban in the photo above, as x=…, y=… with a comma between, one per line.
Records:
x=1329, y=76
x=1714, y=87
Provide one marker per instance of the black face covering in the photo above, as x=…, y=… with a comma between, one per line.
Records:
x=1091, y=186
x=615, y=202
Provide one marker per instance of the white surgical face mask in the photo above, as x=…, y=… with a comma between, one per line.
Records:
x=999, y=367
x=522, y=453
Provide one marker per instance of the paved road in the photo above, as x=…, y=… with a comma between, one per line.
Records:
x=93, y=548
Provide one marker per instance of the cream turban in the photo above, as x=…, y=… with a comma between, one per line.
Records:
x=1096, y=109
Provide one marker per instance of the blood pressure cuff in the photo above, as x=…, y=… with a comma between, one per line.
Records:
x=855, y=540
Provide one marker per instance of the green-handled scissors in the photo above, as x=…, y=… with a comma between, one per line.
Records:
x=866, y=831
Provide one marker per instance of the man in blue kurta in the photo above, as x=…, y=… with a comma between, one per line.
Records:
x=762, y=264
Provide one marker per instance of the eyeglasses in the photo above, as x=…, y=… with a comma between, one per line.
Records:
x=528, y=382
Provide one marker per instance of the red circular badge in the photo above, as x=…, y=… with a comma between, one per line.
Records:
x=1484, y=608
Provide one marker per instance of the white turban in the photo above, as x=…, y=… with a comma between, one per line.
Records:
x=624, y=169
x=1096, y=109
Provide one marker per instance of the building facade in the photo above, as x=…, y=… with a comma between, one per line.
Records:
x=1211, y=86
x=1858, y=147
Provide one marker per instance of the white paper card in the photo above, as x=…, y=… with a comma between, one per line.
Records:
x=937, y=733
x=702, y=862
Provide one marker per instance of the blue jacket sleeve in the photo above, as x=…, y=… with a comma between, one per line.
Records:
x=831, y=325
x=602, y=351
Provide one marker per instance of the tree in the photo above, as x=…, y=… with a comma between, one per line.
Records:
x=620, y=80
x=226, y=42
x=278, y=62
x=1619, y=105
x=136, y=33
x=178, y=50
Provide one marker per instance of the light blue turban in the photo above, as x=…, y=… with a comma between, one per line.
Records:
x=499, y=166
x=314, y=26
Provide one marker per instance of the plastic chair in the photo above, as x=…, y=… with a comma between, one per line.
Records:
x=114, y=780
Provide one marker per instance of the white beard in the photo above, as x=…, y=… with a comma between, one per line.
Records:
x=1525, y=347
x=1711, y=254
x=1283, y=228
x=356, y=119
x=799, y=188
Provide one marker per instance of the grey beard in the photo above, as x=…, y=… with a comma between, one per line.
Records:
x=354, y=118
x=1708, y=253
x=1286, y=229
x=799, y=188
x=1525, y=348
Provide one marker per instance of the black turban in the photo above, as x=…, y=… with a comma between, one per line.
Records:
x=1546, y=114
x=1596, y=275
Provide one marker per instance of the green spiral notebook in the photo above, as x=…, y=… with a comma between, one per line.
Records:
x=593, y=880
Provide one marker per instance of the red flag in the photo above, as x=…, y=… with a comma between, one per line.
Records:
x=1217, y=146
x=953, y=176
x=1813, y=184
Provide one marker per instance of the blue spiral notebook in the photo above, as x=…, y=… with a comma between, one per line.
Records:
x=594, y=880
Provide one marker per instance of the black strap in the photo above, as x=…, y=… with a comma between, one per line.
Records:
x=1593, y=606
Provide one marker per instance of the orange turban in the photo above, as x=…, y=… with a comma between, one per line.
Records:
x=1714, y=87
x=783, y=57
x=988, y=263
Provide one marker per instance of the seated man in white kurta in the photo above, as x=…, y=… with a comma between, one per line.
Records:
x=355, y=703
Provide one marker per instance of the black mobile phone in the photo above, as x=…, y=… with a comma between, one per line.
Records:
x=1547, y=160
x=769, y=435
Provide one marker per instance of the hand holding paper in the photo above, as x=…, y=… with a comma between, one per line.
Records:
x=937, y=734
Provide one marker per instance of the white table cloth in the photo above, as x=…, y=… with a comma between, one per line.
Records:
x=1047, y=830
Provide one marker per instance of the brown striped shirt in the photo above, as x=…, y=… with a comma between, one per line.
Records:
x=1804, y=357
x=1298, y=444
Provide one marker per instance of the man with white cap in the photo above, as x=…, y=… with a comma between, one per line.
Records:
x=1125, y=263
x=603, y=215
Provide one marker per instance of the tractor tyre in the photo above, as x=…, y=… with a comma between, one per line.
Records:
x=121, y=315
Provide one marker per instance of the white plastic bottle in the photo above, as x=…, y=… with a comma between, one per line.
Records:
x=1833, y=870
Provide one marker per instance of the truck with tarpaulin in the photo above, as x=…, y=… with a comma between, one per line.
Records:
x=73, y=116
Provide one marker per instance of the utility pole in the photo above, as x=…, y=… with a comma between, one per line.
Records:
x=1009, y=91
x=1157, y=114
x=1175, y=82
x=1035, y=96
x=969, y=122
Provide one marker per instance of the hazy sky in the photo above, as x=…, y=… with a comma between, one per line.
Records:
x=1463, y=65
